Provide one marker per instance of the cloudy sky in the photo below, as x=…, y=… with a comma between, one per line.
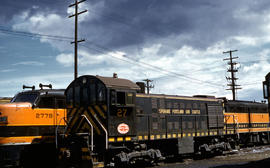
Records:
x=179, y=44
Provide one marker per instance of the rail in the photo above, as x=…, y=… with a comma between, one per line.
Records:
x=56, y=131
x=106, y=132
x=92, y=132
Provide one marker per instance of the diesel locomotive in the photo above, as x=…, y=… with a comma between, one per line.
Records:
x=27, y=126
x=113, y=122
x=108, y=121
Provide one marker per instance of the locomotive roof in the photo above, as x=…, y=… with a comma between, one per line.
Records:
x=243, y=102
x=59, y=92
x=210, y=98
x=112, y=82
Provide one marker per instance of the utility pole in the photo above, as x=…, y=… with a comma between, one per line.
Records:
x=232, y=70
x=76, y=41
x=148, y=86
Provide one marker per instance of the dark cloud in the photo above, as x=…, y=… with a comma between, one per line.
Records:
x=123, y=23
x=10, y=8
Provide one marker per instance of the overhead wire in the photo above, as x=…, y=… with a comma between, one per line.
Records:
x=147, y=65
x=106, y=50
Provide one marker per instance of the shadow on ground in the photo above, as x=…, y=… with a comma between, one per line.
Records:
x=265, y=163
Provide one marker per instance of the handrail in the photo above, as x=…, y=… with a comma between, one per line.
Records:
x=92, y=132
x=106, y=132
x=56, y=131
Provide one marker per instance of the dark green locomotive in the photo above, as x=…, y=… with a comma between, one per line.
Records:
x=112, y=122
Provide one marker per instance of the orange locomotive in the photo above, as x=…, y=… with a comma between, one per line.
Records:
x=249, y=119
x=30, y=119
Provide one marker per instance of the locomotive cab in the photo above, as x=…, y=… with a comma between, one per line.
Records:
x=103, y=108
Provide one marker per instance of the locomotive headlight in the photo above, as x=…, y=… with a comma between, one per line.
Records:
x=3, y=120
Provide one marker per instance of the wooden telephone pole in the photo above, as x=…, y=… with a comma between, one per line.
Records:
x=232, y=70
x=148, y=86
x=76, y=41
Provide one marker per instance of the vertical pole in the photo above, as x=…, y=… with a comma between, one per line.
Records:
x=232, y=75
x=76, y=42
x=233, y=85
x=76, y=35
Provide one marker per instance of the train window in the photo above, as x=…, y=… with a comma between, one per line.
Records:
x=25, y=97
x=100, y=93
x=46, y=102
x=130, y=98
x=121, y=98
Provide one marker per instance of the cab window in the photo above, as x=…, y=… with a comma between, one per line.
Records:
x=121, y=98
x=25, y=97
x=46, y=102
x=130, y=98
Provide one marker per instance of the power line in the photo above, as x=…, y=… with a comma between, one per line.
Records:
x=156, y=68
x=37, y=35
x=104, y=50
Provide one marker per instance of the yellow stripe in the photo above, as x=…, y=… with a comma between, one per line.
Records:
x=119, y=139
x=86, y=157
x=99, y=111
x=104, y=107
x=127, y=138
x=92, y=122
x=111, y=140
x=72, y=112
x=76, y=117
x=15, y=140
x=84, y=149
